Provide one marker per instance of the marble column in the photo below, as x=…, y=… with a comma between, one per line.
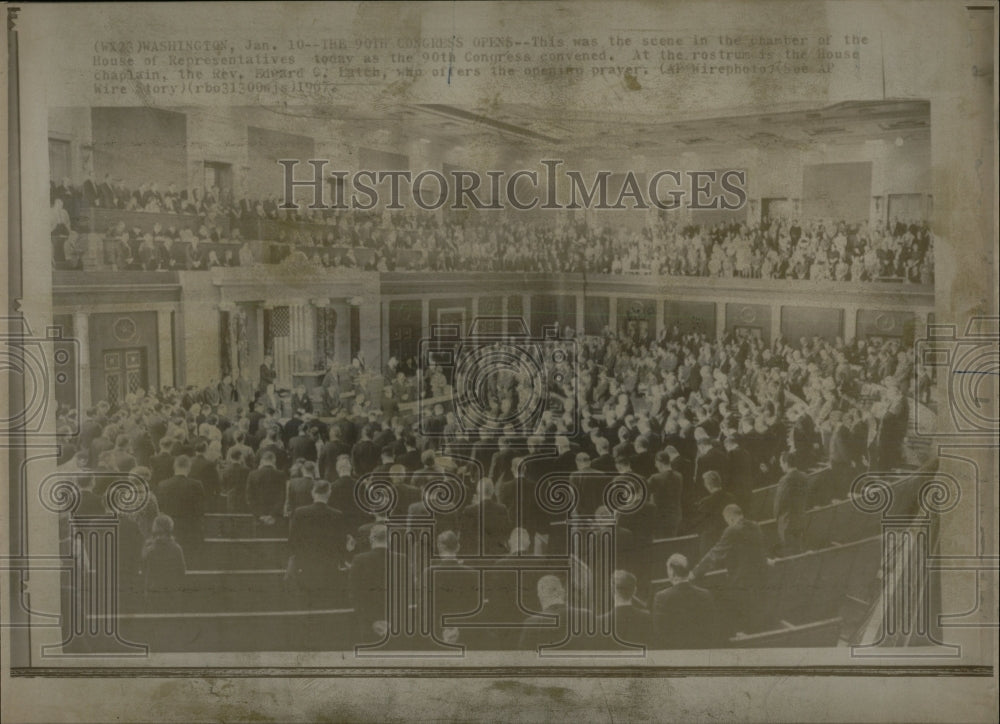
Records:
x=165, y=347
x=850, y=322
x=81, y=331
x=775, y=322
x=370, y=337
x=720, y=319
x=342, y=334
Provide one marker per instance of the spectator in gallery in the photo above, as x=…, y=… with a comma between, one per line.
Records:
x=245, y=256
x=163, y=563
x=685, y=616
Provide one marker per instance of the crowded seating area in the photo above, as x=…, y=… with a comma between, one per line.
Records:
x=253, y=536
x=153, y=229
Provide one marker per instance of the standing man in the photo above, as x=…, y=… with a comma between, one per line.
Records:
x=267, y=374
x=741, y=552
x=183, y=499
x=790, y=505
x=317, y=537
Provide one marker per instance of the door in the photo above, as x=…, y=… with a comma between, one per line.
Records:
x=775, y=209
x=907, y=208
x=219, y=175
x=124, y=372
x=60, y=160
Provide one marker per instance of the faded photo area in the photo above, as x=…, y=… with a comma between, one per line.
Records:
x=434, y=379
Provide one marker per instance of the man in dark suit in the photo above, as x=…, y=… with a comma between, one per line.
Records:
x=741, y=474
x=332, y=450
x=685, y=616
x=365, y=455
x=605, y=461
x=161, y=465
x=845, y=459
x=740, y=551
x=428, y=471
x=303, y=445
x=536, y=466
x=409, y=455
x=454, y=586
x=301, y=402
x=317, y=537
x=706, y=520
x=691, y=490
x=538, y=630
x=666, y=487
x=484, y=520
x=266, y=490
x=710, y=457
x=644, y=457
x=632, y=624
x=368, y=583
x=790, y=505
x=388, y=459
x=589, y=485
x=90, y=503
x=406, y=494
x=206, y=472
x=267, y=374
x=183, y=499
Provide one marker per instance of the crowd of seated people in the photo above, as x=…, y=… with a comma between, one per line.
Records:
x=702, y=421
x=405, y=241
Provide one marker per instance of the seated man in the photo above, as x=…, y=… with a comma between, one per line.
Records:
x=538, y=630
x=368, y=586
x=630, y=623
x=685, y=616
